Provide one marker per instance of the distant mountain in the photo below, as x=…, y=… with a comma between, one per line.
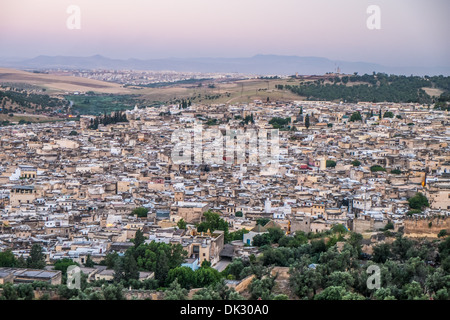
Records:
x=258, y=65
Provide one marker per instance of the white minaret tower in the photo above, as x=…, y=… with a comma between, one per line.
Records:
x=267, y=206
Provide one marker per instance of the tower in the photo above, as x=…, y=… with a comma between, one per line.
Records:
x=267, y=206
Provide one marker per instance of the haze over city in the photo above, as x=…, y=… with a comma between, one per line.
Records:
x=412, y=33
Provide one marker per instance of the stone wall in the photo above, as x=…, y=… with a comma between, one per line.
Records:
x=128, y=294
x=143, y=295
x=362, y=226
x=426, y=226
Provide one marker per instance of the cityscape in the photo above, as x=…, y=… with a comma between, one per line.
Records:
x=152, y=184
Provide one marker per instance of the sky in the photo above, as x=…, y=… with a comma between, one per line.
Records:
x=411, y=33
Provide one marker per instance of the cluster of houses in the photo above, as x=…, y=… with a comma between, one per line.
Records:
x=72, y=189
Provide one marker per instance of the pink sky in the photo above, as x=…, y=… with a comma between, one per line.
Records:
x=412, y=32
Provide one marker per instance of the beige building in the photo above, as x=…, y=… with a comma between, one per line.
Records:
x=205, y=247
x=22, y=195
x=191, y=212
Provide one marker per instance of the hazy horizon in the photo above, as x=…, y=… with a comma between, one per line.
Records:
x=412, y=33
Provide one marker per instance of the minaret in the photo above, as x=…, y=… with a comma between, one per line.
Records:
x=267, y=206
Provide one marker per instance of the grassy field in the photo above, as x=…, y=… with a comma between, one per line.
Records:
x=99, y=104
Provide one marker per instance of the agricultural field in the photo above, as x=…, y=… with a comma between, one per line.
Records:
x=100, y=104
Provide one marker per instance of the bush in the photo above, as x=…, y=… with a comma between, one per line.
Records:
x=413, y=211
x=141, y=212
x=356, y=116
x=331, y=164
x=356, y=163
x=377, y=168
x=442, y=233
x=389, y=226
x=419, y=201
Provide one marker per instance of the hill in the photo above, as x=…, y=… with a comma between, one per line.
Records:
x=258, y=65
x=55, y=83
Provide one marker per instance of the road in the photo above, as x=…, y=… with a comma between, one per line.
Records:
x=221, y=265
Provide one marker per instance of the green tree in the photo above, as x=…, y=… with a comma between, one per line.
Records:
x=355, y=240
x=181, y=224
x=238, y=235
x=389, y=226
x=235, y=268
x=381, y=253
x=341, y=278
x=141, y=212
x=441, y=294
x=207, y=276
x=400, y=247
x=206, y=264
x=305, y=281
x=9, y=292
x=339, y=228
x=110, y=260
x=113, y=292
x=307, y=121
x=7, y=259
x=388, y=114
x=217, y=291
x=184, y=275
x=414, y=291
x=175, y=292
x=356, y=116
x=25, y=291
x=131, y=270
x=383, y=294
x=162, y=268
x=125, y=268
x=442, y=233
x=89, y=262
x=275, y=234
x=261, y=240
x=63, y=264
x=330, y=163
x=262, y=288
x=36, y=260
x=331, y=293
x=377, y=168
x=138, y=238
x=21, y=262
x=213, y=222
x=356, y=163
x=418, y=201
